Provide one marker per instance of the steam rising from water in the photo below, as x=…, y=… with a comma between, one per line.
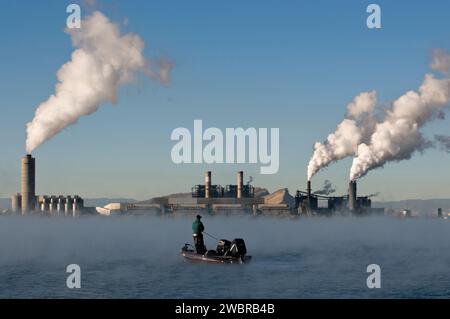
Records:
x=138, y=257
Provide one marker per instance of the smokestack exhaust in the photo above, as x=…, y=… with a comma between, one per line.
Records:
x=104, y=60
x=207, y=183
x=28, y=184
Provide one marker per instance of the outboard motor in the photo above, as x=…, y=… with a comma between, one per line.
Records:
x=238, y=248
x=223, y=246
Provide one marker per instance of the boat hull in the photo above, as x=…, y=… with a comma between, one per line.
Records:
x=194, y=257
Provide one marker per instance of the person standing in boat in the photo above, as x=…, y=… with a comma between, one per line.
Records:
x=197, y=234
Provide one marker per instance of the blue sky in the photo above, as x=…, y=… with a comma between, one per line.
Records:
x=288, y=64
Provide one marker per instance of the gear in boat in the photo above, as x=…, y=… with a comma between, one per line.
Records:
x=227, y=252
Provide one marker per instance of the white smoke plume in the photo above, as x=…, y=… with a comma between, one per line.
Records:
x=399, y=136
x=327, y=188
x=353, y=130
x=102, y=62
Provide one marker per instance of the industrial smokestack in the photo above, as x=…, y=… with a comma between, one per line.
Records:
x=308, y=188
x=240, y=183
x=28, y=183
x=207, y=183
x=352, y=196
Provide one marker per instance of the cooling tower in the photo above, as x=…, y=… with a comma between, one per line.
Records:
x=240, y=183
x=16, y=203
x=61, y=203
x=77, y=206
x=45, y=204
x=68, y=206
x=53, y=204
x=28, y=183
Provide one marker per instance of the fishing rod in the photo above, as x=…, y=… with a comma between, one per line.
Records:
x=211, y=236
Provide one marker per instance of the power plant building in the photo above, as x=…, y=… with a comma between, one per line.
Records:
x=241, y=197
x=308, y=203
x=206, y=197
x=213, y=197
x=61, y=205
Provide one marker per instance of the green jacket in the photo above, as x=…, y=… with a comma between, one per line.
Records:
x=197, y=227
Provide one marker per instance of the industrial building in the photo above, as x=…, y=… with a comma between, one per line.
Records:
x=307, y=203
x=240, y=197
x=238, y=191
x=207, y=198
x=215, y=198
x=61, y=205
x=129, y=208
x=28, y=202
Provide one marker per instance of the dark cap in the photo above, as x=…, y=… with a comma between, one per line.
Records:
x=198, y=216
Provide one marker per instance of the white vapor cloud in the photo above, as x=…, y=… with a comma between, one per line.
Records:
x=102, y=62
x=441, y=61
x=353, y=130
x=399, y=135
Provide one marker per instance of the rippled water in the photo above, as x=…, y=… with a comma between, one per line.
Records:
x=137, y=257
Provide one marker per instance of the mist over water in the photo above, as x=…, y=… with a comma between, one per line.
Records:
x=138, y=257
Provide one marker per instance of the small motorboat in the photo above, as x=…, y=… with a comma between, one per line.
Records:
x=227, y=252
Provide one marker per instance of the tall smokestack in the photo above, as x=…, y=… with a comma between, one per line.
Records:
x=207, y=183
x=240, y=183
x=352, y=196
x=308, y=188
x=28, y=183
